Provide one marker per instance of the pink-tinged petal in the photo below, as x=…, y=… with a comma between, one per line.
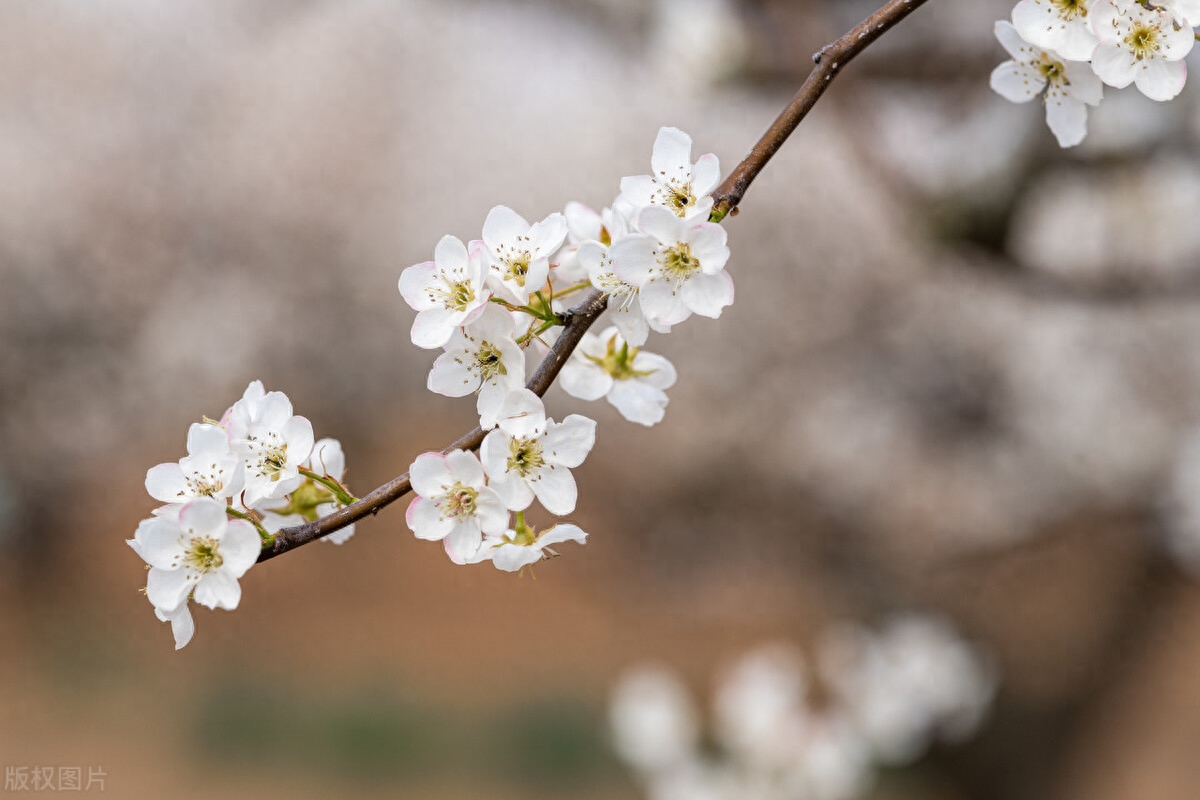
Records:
x=709, y=244
x=433, y=327
x=582, y=222
x=512, y=557
x=633, y=259
x=584, y=379
x=638, y=190
x=158, y=542
x=662, y=224
x=672, y=156
x=167, y=483
x=218, y=589
x=204, y=516
x=429, y=475
x=663, y=304
x=463, y=542
x=1161, y=80
x=425, y=520
x=547, y=236
x=1113, y=65
x=328, y=458
x=1016, y=82
x=167, y=588
x=298, y=433
x=450, y=377
x=706, y=295
x=562, y=533
x=491, y=512
x=207, y=440
x=240, y=547
x=522, y=414
x=1067, y=118
x=568, y=443
x=555, y=489
x=413, y=283
x=465, y=468
x=662, y=372
x=639, y=402
x=706, y=174
x=502, y=227
x=450, y=254
x=512, y=490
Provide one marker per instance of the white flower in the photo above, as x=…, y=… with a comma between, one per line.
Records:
x=202, y=553
x=1185, y=12
x=483, y=358
x=447, y=292
x=310, y=500
x=654, y=720
x=677, y=184
x=634, y=381
x=521, y=547
x=210, y=469
x=529, y=455
x=521, y=252
x=1070, y=86
x=624, y=302
x=1059, y=25
x=678, y=267
x=273, y=444
x=247, y=406
x=453, y=503
x=183, y=627
x=1142, y=46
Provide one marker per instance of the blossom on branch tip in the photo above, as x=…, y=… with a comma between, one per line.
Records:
x=447, y=292
x=483, y=358
x=1142, y=46
x=1063, y=26
x=210, y=469
x=677, y=184
x=521, y=547
x=453, y=503
x=273, y=444
x=530, y=456
x=634, y=381
x=1069, y=86
x=520, y=252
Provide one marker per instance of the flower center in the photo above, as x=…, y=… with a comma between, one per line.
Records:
x=1053, y=71
x=1070, y=9
x=203, y=485
x=204, y=554
x=525, y=456
x=458, y=502
x=489, y=361
x=678, y=262
x=518, y=268
x=272, y=455
x=458, y=295
x=1143, y=40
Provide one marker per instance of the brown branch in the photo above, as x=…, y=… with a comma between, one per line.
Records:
x=579, y=320
x=830, y=60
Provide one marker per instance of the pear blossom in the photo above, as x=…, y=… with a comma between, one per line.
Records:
x=1185, y=12
x=634, y=381
x=273, y=444
x=520, y=252
x=678, y=267
x=1062, y=26
x=453, y=503
x=1069, y=86
x=202, y=553
x=210, y=469
x=183, y=627
x=624, y=301
x=310, y=500
x=1142, y=46
x=523, y=546
x=447, y=292
x=528, y=455
x=248, y=406
x=677, y=184
x=483, y=357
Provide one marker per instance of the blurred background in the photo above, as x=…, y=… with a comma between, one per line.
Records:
x=960, y=379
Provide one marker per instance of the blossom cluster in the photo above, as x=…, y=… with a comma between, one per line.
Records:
x=486, y=303
x=1068, y=50
x=889, y=694
x=245, y=476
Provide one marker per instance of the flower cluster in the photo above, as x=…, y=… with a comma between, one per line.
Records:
x=252, y=472
x=1065, y=50
x=659, y=260
x=889, y=695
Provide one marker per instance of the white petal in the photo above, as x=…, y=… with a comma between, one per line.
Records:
x=463, y=542
x=205, y=516
x=708, y=243
x=491, y=512
x=633, y=258
x=430, y=475
x=555, y=489
x=425, y=520
x=1006, y=33
x=1067, y=118
x=450, y=377
x=503, y=226
x=564, y=532
x=547, y=236
x=1084, y=85
x=298, y=433
x=1113, y=65
x=584, y=379
x=662, y=224
x=706, y=295
x=1016, y=82
x=167, y=588
x=663, y=304
x=158, y=542
x=512, y=490
x=413, y=283
x=166, y=482
x=568, y=443
x=433, y=327
x=183, y=627
x=218, y=589
x=1161, y=80
x=512, y=557
x=205, y=439
x=240, y=547
x=706, y=174
x=522, y=414
x=638, y=190
x=672, y=157
x=328, y=458
x=639, y=402
x=450, y=254
x=582, y=222
x=662, y=372
x=464, y=467
x=631, y=322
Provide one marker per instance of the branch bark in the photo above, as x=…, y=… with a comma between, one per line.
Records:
x=829, y=62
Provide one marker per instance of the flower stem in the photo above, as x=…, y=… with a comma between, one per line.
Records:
x=267, y=539
x=339, y=491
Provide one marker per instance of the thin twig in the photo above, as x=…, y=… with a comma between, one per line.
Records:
x=829, y=60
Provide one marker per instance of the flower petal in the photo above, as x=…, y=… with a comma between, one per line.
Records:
x=568, y=443
x=218, y=589
x=555, y=489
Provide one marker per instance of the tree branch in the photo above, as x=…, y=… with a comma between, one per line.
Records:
x=829, y=61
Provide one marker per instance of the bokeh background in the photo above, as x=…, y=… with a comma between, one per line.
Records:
x=958, y=378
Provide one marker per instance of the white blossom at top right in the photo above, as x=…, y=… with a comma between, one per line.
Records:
x=1140, y=45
